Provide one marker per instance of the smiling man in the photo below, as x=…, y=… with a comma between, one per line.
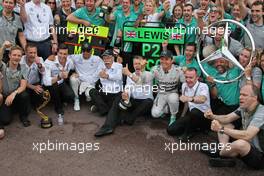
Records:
x=169, y=78
x=14, y=85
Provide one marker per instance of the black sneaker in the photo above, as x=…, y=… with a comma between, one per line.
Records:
x=222, y=162
x=209, y=152
x=26, y=123
x=103, y=132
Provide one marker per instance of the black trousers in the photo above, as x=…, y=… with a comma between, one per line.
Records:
x=220, y=108
x=21, y=104
x=61, y=93
x=103, y=101
x=192, y=120
x=44, y=48
x=35, y=99
x=116, y=115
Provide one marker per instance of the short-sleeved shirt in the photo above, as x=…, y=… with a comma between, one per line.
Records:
x=190, y=30
x=140, y=10
x=92, y=17
x=120, y=19
x=168, y=82
x=11, y=78
x=255, y=119
x=199, y=89
x=33, y=74
x=257, y=33
x=256, y=76
x=181, y=61
x=228, y=93
x=9, y=28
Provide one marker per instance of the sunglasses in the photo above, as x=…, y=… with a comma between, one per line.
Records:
x=51, y=2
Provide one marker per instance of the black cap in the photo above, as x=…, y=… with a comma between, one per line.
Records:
x=167, y=53
x=108, y=52
x=86, y=47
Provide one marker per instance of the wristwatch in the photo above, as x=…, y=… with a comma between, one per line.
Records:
x=248, y=78
x=192, y=99
x=222, y=130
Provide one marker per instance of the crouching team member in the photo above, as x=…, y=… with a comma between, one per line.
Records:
x=196, y=96
x=136, y=100
x=168, y=78
x=111, y=79
x=35, y=68
x=249, y=141
x=56, y=79
x=86, y=68
x=14, y=85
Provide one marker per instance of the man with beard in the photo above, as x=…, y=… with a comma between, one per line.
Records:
x=88, y=15
x=87, y=69
x=190, y=22
x=35, y=68
x=169, y=78
x=56, y=76
x=256, y=25
x=224, y=97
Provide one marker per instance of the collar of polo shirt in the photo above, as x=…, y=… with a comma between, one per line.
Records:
x=13, y=14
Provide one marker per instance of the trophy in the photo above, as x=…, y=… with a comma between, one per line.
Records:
x=45, y=122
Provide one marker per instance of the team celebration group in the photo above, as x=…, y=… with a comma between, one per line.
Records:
x=35, y=59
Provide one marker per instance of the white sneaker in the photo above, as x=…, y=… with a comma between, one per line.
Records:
x=2, y=133
x=60, y=119
x=76, y=105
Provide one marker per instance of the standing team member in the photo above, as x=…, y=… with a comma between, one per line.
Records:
x=11, y=26
x=35, y=69
x=197, y=96
x=56, y=74
x=14, y=85
x=169, y=78
x=111, y=79
x=38, y=23
x=87, y=15
x=87, y=70
x=138, y=93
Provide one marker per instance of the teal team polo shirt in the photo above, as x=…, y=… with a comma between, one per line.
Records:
x=228, y=93
x=92, y=17
x=190, y=30
x=181, y=61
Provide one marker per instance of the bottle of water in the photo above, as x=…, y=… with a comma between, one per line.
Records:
x=60, y=119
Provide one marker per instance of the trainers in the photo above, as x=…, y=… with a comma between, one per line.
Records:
x=76, y=105
x=93, y=108
x=2, y=133
x=60, y=119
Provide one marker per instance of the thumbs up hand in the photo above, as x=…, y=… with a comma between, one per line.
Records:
x=126, y=71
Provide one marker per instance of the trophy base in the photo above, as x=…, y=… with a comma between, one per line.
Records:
x=46, y=123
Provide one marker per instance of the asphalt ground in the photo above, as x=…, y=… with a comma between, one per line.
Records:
x=138, y=150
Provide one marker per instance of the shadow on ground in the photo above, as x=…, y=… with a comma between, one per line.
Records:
x=138, y=150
